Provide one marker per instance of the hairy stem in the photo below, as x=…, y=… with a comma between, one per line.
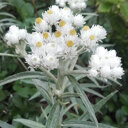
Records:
x=49, y=74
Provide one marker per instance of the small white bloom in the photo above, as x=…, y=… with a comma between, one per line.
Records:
x=107, y=64
x=33, y=60
x=50, y=62
x=93, y=72
x=79, y=20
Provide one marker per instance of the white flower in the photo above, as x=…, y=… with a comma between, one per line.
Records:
x=33, y=60
x=50, y=62
x=106, y=63
x=15, y=35
x=40, y=25
x=73, y=4
x=99, y=32
x=93, y=72
x=92, y=36
x=52, y=16
x=79, y=20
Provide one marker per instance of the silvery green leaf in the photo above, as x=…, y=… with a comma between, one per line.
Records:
x=68, y=95
x=23, y=75
x=67, y=109
x=44, y=91
x=91, y=85
x=5, y=125
x=53, y=118
x=6, y=14
x=30, y=123
x=92, y=91
x=84, y=98
x=84, y=124
x=44, y=113
x=98, y=106
x=37, y=94
x=73, y=99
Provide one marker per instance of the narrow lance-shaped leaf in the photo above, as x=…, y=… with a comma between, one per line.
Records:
x=30, y=123
x=53, y=118
x=84, y=124
x=5, y=125
x=98, y=106
x=84, y=98
x=23, y=75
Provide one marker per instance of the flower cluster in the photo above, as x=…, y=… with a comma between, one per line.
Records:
x=15, y=35
x=105, y=64
x=73, y=4
x=61, y=35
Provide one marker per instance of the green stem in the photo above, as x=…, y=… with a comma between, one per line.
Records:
x=49, y=74
x=9, y=55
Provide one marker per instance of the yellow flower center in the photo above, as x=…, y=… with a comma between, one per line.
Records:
x=38, y=44
x=69, y=43
x=86, y=28
x=62, y=23
x=72, y=32
x=38, y=20
x=49, y=12
x=45, y=35
x=57, y=34
x=92, y=37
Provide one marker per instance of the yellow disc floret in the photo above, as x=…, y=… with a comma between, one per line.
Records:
x=72, y=32
x=69, y=43
x=57, y=34
x=49, y=12
x=38, y=44
x=86, y=28
x=92, y=37
x=45, y=35
x=38, y=20
x=62, y=23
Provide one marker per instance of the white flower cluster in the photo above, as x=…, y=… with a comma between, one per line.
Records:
x=105, y=64
x=15, y=35
x=73, y=4
x=60, y=35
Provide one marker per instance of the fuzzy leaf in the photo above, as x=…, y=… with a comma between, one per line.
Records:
x=29, y=123
x=84, y=124
x=23, y=75
x=5, y=125
x=84, y=98
x=53, y=118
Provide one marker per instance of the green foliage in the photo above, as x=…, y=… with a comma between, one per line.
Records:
x=14, y=97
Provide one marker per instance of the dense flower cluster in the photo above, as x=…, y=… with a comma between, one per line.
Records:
x=105, y=64
x=61, y=35
x=73, y=4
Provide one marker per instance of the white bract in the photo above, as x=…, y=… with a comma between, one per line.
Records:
x=105, y=64
x=73, y=4
x=57, y=37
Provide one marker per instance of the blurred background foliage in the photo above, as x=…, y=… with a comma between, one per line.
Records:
x=14, y=98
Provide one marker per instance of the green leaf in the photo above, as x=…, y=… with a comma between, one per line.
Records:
x=23, y=75
x=67, y=109
x=99, y=105
x=124, y=99
x=92, y=91
x=29, y=123
x=105, y=7
x=44, y=91
x=5, y=125
x=53, y=118
x=84, y=124
x=124, y=10
x=84, y=98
